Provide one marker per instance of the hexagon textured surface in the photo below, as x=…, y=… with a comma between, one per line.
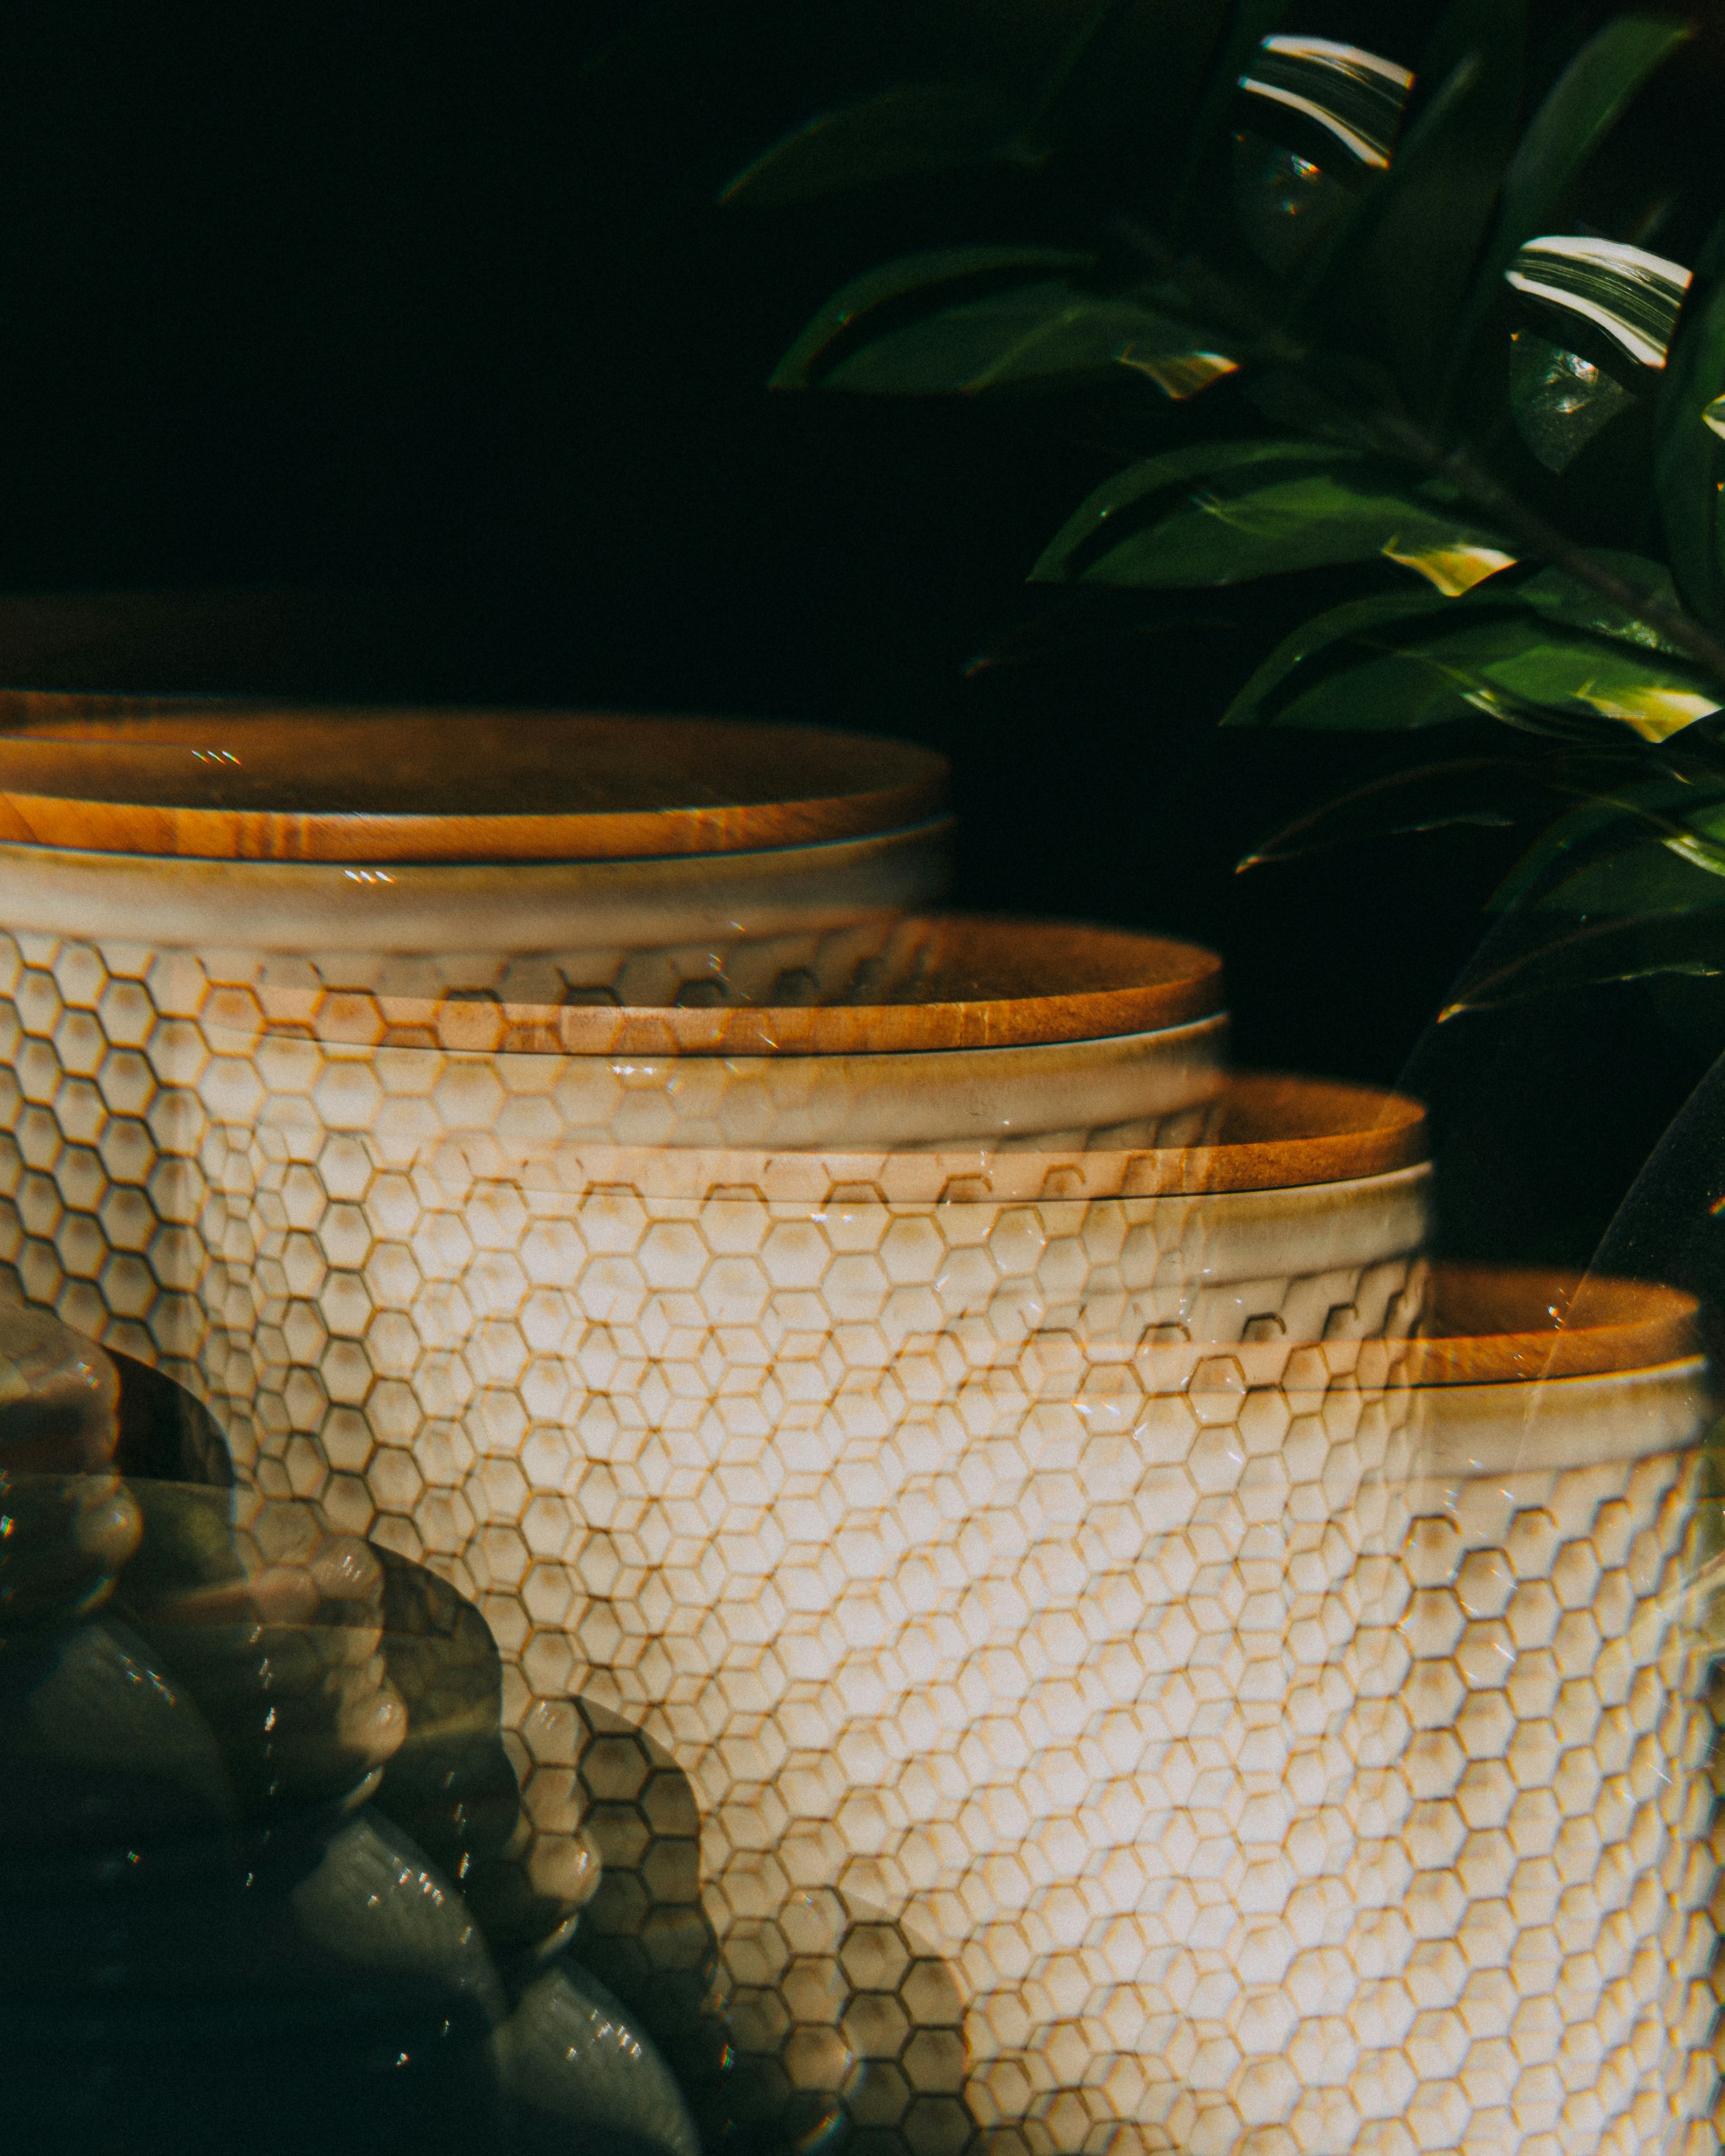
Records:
x=1010, y=1569
x=1544, y=1854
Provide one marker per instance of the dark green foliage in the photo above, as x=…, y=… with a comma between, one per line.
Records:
x=1395, y=279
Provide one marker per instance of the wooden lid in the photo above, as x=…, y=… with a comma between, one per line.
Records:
x=225, y=781
x=958, y=982
x=1507, y=1325
x=1277, y=1131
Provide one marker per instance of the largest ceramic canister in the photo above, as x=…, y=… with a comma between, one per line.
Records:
x=822, y=1472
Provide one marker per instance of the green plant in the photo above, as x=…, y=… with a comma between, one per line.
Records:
x=1367, y=324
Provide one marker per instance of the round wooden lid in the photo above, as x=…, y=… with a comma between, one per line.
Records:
x=961, y=982
x=1507, y=1325
x=1276, y=1132
x=222, y=781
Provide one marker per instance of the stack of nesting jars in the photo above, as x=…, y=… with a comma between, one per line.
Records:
x=878, y=1373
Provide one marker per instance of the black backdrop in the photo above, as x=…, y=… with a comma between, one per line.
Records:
x=385, y=300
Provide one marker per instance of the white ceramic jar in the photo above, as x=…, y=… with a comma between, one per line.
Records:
x=863, y=1485
x=550, y=858
x=1541, y=1869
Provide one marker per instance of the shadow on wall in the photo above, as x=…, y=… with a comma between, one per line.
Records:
x=813, y=2020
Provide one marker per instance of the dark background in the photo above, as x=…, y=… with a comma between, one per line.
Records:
x=412, y=308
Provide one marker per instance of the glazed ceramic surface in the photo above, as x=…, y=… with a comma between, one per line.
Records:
x=1535, y=1853
x=927, y=1511
x=548, y=857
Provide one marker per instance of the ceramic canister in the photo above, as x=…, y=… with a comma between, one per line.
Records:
x=558, y=858
x=160, y=859
x=682, y=1422
x=961, y=1031
x=795, y=1463
x=1526, y=1970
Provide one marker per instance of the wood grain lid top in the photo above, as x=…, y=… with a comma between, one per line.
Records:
x=1506, y=1324
x=219, y=780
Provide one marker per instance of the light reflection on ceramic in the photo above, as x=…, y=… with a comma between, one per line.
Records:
x=1542, y=1860
x=733, y=1445
x=731, y=926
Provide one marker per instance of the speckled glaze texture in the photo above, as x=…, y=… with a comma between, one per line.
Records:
x=1537, y=1846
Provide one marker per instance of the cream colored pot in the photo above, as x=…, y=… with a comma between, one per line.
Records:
x=1538, y=1872
x=863, y=1485
x=545, y=857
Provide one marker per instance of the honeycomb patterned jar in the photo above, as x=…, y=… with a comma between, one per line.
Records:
x=796, y=1464
x=1541, y=1871
x=568, y=860
x=792, y=1463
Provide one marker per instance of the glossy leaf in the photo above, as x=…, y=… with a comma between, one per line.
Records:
x=1560, y=595
x=1390, y=277
x=917, y=285
x=1616, y=820
x=1384, y=665
x=1559, y=400
x=1478, y=792
x=1579, y=111
x=1689, y=455
x=1284, y=205
x=914, y=127
x=1354, y=96
x=1044, y=333
x=1594, y=954
x=1632, y=297
x=1225, y=513
x=1250, y=22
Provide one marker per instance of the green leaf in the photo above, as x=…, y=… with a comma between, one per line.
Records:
x=1044, y=333
x=1689, y=452
x=1560, y=595
x=1354, y=96
x=914, y=127
x=1250, y=23
x=1461, y=791
x=1559, y=400
x=1225, y=513
x=1582, y=107
x=1384, y=665
x=1633, y=298
x=1397, y=276
x=1340, y=638
x=1594, y=954
x=916, y=285
x=1622, y=814
x=1628, y=886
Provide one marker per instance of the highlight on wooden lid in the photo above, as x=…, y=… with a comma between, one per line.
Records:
x=1508, y=1325
x=220, y=780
